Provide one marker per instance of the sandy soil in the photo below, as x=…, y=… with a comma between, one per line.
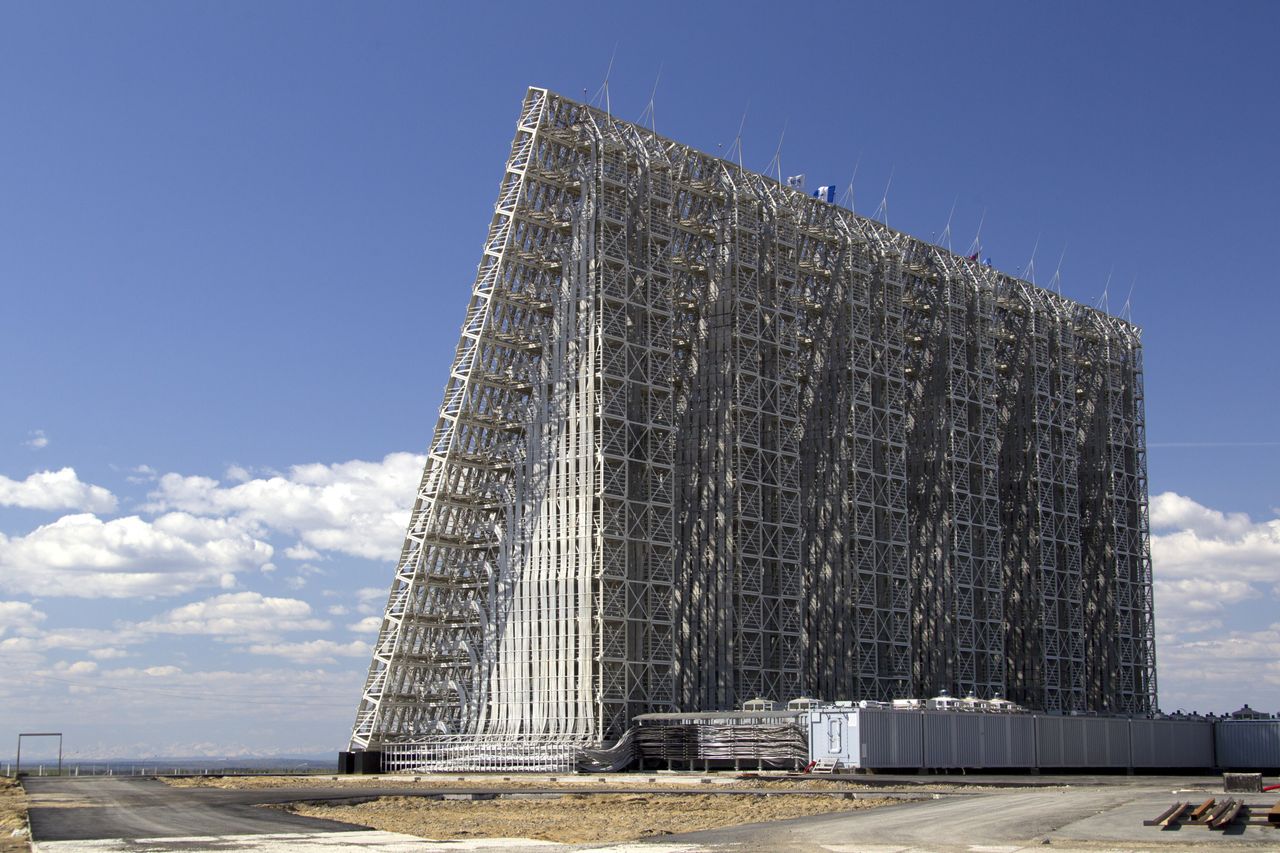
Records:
x=13, y=816
x=574, y=818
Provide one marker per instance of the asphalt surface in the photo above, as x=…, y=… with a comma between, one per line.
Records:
x=106, y=807
x=1087, y=818
x=72, y=809
x=103, y=814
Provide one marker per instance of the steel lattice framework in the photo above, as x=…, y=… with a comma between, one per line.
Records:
x=706, y=438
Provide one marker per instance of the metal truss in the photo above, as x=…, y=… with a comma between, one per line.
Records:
x=706, y=438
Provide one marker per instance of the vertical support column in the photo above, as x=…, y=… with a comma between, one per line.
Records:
x=781, y=368
x=1146, y=701
x=621, y=360
x=705, y=543
x=1069, y=689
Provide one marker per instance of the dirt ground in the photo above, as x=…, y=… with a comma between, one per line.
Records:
x=602, y=782
x=13, y=816
x=575, y=818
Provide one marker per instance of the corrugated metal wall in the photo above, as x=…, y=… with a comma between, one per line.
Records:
x=883, y=739
x=1171, y=743
x=1082, y=742
x=978, y=740
x=1245, y=744
x=890, y=738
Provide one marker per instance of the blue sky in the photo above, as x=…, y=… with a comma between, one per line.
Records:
x=236, y=242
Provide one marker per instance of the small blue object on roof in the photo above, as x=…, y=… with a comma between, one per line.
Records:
x=827, y=194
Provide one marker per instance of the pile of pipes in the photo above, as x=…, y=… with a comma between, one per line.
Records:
x=723, y=744
x=611, y=759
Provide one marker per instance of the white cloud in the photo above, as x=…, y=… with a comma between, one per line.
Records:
x=1204, y=560
x=314, y=651
x=80, y=667
x=141, y=474
x=301, y=574
x=359, y=508
x=371, y=600
x=1209, y=566
x=1172, y=511
x=19, y=617
x=239, y=474
x=1202, y=595
x=367, y=625
x=238, y=615
x=1221, y=673
x=55, y=490
x=83, y=556
x=108, y=653
x=161, y=671
x=37, y=440
x=301, y=552
x=87, y=639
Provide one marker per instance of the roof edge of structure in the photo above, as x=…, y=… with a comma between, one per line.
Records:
x=1118, y=324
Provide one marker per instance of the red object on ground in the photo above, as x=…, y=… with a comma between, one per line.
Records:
x=1271, y=787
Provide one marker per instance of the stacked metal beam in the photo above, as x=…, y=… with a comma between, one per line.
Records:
x=706, y=438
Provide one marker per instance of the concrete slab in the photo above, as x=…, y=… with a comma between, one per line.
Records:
x=82, y=809
x=1094, y=818
x=296, y=842
x=145, y=815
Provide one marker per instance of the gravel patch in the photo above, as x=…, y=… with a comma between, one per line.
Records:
x=13, y=816
x=574, y=818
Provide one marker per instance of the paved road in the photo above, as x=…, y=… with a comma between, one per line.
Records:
x=65, y=809
x=126, y=815
x=1089, y=818
x=106, y=814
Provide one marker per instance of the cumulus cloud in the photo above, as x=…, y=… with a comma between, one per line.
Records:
x=1209, y=564
x=314, y=651
x=80, y=667
x=301, y=552
x=1221, y=673
x=55, y=490
x=367, y=625
x=359, y=508
x=18, y=617
x=37, y=440
x=91, y=640
x=1172, y=511
x=239, y=474
x=237, y=615
x=1206, y=560
x=141, y=474
x=161, y=671
x=83, y=556
x=371, y=600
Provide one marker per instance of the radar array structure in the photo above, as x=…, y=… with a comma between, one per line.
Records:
x=706, y=438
